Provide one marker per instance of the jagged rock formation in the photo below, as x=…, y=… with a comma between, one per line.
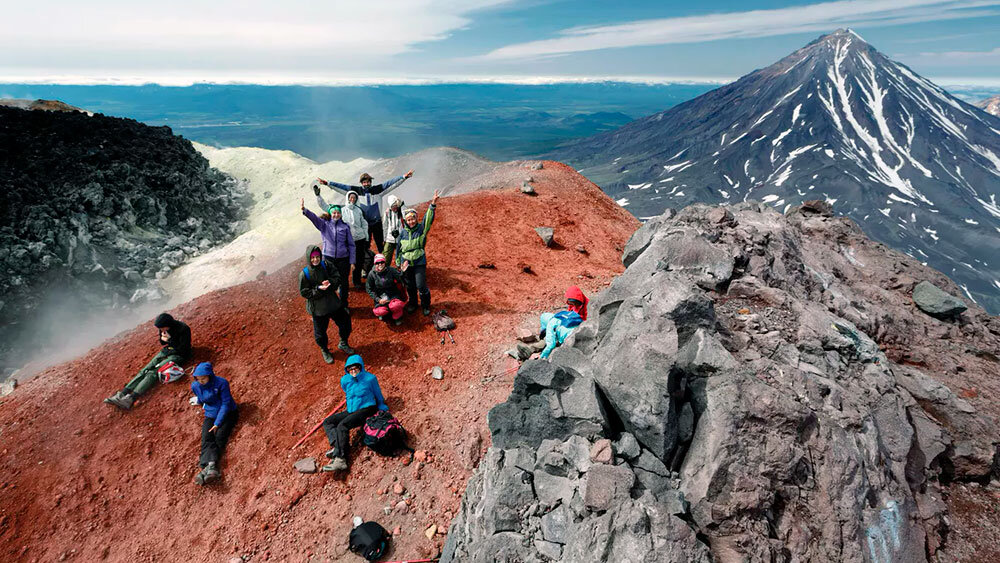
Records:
x=39, y=105
x=767, y=382
x=915, y=167
x=92, y=207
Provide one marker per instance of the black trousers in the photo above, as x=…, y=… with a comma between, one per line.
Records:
x=344, y=270
x=375, y=233
x=213, y=443
x=340, y=317
x=338, y=428
x=360, y=249
x=416, y=283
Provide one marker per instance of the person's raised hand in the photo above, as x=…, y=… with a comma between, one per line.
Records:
x=322, y=181
x=409, y=174
x=437, y=194
x=303, y=204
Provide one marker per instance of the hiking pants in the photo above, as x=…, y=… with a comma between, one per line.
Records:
x=375, y=233
x=395, y=306
x=213, y=443
x=416, y=282
x=344, y=269
x=147, y=378
x=320, y=323
x=360, y=249
x=390, y=249
x=338, y=428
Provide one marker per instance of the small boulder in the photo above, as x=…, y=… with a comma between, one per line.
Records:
x=627, y=446
x=547, y=234
x=429, y=532
x=816, y=207
x=606, y=485
x=600, y=452
x=937, y=303
x=526, y=335
x=537, y=166
x=719, y=216
x=7, y=387
x=527, y=188
x=581, y=249
x=306, y=465
x=398, y=488
x=437, y=372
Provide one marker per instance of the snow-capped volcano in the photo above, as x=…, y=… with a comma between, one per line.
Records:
x=917, y=168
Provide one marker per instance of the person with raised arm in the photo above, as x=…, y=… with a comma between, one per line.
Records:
x=372, y=198
x=412, y=255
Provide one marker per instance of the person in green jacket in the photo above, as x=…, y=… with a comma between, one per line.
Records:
x=317, y=283
x=175, y=346
x=412, y=257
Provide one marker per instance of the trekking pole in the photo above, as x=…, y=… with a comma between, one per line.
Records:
x=449, y=336
x=315, y=428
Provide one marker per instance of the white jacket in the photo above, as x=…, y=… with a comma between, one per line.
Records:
x=355, y=218
x=392, y=220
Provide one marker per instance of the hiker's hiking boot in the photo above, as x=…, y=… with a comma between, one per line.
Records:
x=338, y=464
x=343, y=347
x=208, y=474
x=397, y=322
x=122, y=399
x=427, y=311
x=410, y=308
x=331, y=453
x=327, y=356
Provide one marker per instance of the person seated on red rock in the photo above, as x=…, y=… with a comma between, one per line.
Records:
x=221, y=413
x=556, y=327
x=338, y=244
x=371, y=204
x=316, y=283
x=364, y=398
x=412, y=258
x=385, y=285
x=175, y=346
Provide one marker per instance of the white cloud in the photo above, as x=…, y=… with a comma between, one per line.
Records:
x=67, y=35
x=821, y=17
x=960, y=57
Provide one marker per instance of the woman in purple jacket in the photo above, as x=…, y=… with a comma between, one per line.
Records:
x=338, y=244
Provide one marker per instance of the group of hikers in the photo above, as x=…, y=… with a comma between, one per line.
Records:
x=347, y=232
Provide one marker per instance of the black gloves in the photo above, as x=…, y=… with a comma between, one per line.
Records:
x=316, y=189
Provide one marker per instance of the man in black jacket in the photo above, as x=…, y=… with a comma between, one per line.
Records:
x=317, y=282
x=370, y=205
x=175, y=342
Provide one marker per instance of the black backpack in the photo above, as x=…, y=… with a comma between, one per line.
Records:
x=369, y=540
x=385, y=435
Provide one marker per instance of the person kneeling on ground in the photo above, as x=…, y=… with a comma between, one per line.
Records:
x=364, y=398
x=385, y=285
x=412, y=257
x=175, y=342
x=316, y=283
x=556, y=327
x=212, y=393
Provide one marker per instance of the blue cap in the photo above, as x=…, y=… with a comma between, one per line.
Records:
x=203, y=369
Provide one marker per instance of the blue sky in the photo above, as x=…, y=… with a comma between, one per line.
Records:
x=117, y=41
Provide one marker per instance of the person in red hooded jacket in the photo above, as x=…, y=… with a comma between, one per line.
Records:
x=556, y=327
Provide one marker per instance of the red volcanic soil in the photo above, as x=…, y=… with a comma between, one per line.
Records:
x=80, y=480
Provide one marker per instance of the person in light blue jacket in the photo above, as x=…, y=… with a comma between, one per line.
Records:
x=212, y=393
x=556, y=327
x=364, y=398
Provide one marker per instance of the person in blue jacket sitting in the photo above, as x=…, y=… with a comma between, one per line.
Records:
x=364, y=398
x=212, y=393
x=556, y=327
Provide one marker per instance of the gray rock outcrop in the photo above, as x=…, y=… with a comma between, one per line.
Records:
x=756, y=375
x=934, y=301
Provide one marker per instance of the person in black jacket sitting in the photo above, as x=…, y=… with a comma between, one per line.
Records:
x=317, y=283
x=175, y=343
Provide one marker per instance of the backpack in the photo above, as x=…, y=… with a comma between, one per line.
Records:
x=169, y=372
x=322, y=264
x=568, y=319
x=368, y=262
x=369, y=540
x=385, y=435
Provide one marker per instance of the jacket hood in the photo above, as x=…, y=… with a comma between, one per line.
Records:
x=393, y=200
x=347, y=197
x=354, y=360
x=164, y=320
x=309, y=251
x=574, y=292
x=203, y=369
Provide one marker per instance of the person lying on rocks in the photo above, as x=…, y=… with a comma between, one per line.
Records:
x=385, y=286
x=221, y=413
x=316, y=283
x=556, y=327
x=392, y=222
x=364, y=398
x=338, y=244
x=175, y=346
x=371, y=204
x=412, y=257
